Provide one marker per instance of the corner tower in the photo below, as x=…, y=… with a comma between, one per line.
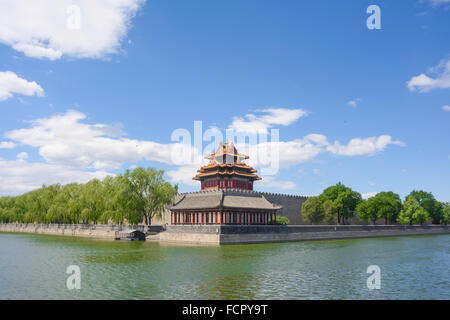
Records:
x=226, y=170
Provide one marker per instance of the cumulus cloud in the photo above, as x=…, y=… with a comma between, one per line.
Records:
x=19, y=176
x=48, y=29
x=65, y=140
x=11, y=83
x=72, y=146
x=256, y=124
x=368, y=195
x=446, y=108
x=184, y=175
x=366, y=146
x=439, y=78
x=22, y=156
x=7, y=145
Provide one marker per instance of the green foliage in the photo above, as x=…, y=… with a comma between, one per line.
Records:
x=367, y=211
x=313, y=210
x=445, y=218
x=341, y=202
x=412, y=212
x=281, y=220
x=385, y=205
x=132, y=198
x=427, y=201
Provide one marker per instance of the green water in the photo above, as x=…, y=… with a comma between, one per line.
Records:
x=34, y=266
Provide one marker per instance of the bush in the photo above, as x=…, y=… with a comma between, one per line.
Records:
x=281, y=220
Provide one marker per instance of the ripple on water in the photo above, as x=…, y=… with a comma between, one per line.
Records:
x=34, y=266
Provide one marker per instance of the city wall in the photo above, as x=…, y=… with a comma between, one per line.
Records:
x=241, y=234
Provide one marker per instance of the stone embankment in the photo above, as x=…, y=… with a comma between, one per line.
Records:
x=230, y=234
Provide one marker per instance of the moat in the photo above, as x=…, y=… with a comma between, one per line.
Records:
x=34, y=267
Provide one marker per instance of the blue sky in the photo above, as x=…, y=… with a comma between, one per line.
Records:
x=369, y=108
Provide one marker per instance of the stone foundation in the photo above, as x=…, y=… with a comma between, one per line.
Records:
x=220, y=235
x=232, y=234
x=76, y=230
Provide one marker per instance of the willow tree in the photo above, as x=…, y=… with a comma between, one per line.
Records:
x=155, y=192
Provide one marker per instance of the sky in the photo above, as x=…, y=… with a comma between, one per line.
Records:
x=93, y=88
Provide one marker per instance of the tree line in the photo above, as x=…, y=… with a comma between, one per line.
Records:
x=337, y=204
x=133, y=197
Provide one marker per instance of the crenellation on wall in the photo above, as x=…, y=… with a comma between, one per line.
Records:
x=291, y=205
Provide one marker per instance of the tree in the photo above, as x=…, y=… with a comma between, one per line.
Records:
x=153, y=190
x=312, y=210
x=123, y=198
x=367, y=211
x=445, y=217
x=427, y=201
x=412, y=212
x=421, y=216
x=389, y=206
x=343, y=201
x=385, y=205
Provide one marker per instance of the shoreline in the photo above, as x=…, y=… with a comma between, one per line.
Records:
x=232, y=234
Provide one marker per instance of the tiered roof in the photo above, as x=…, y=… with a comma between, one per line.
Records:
x=227, y=162
x=223, y=199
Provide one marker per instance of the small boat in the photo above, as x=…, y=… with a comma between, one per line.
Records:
x=130, y=235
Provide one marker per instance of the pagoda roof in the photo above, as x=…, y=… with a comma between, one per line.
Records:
x=227, y=173
x=227, y=149
x=229, y=165
x=223, y=199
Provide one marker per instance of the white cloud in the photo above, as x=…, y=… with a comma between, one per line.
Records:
x=271, y=182
x=435, y=3
x=366, y=146
x=255, y=124
x=446, y=108
x=70, y=145
x=22, y=156
x=369, y=195
x=184, y=175
x=425, y=83
x=52, y=29
x=35, y=51
x=63, y=139
x=20, y=176
x=11, y=83
x=7, y=145
x=354, y=103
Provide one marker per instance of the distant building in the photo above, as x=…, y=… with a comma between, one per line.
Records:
x=227, y=195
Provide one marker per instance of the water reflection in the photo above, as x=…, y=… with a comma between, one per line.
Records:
x=33, y=266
